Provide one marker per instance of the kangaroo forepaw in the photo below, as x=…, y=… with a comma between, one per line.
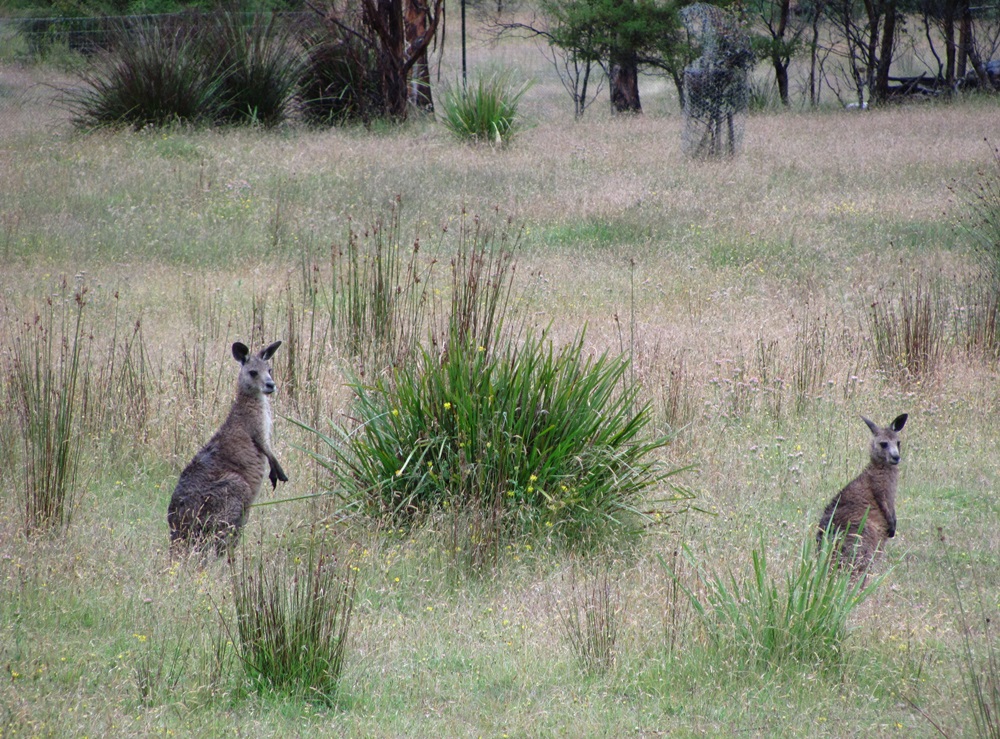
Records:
x=276, y=475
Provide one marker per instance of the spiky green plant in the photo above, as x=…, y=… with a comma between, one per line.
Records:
x=486, y=111
x=765, y=623
x=538, y=440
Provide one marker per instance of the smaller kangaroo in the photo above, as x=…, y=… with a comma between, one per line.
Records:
x=866, y=508
x=215, y=490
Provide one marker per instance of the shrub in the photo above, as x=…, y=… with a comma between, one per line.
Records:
x=764, y=625
x=156, y=75
x=530, y=439
x=260, y=67
x=339, y=81
x=293, y=616
x=216, y=69
x=486, y=112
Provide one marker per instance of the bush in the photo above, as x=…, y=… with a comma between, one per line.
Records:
x=764, y=625
x=486, y=112
x=523, y=440
x=340, y=81
x=157, y=75
x=212, y=69
x=260, y=68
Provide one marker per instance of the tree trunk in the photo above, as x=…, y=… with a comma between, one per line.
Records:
x=948, y=31
x=779, y=61
x=964, y=39
x=623, y=81
x=417, y=21
x=880, y=93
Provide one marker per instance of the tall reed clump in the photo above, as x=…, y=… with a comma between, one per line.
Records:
x=292, y=620
x=908, y=332
x=763, y=624
x=591, y=613
x=48, y=375
x=980, y=655
x=377, y=297
x=981, y=312
x=486, y=111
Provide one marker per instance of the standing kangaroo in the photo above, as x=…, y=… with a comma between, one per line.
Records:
x=215, y=490
x=865, y=510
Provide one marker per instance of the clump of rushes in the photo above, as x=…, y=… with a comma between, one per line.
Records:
x=486, y=111
x=293, y=616
x=763, y=624
x=530, y=439
x=48, y=378
x=590, y=614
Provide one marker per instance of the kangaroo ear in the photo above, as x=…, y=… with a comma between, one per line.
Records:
x=871, y=425
x=899, y=422
x=268, y=351
x=240, y=352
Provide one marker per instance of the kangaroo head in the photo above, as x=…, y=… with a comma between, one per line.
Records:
x=255, y=376
x=884, y=448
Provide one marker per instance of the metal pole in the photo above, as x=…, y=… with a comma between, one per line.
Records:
x=464, y=79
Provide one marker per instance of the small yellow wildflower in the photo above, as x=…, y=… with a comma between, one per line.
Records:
x=447, y=406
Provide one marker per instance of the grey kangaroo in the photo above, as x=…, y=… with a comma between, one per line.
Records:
x=865, y=510
x=215, y=490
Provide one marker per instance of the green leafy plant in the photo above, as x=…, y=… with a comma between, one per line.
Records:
x=293, y=617
x=764, y=623
x=485, y=112
x=538, y=440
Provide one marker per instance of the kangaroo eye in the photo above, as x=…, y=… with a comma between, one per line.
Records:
x=884, y=444
x=253, y=373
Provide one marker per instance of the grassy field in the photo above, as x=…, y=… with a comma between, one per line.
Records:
x=744, y=291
